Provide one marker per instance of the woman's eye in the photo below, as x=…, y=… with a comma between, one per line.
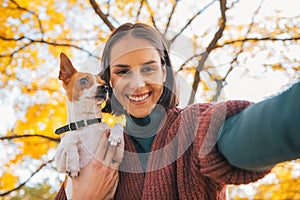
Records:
x=83, y=81
x=148, y=69
x=123, y=72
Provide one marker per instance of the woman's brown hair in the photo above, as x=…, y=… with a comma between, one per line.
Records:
x=168, y=98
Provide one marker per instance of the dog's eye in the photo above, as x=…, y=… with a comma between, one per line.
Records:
x=84, y=81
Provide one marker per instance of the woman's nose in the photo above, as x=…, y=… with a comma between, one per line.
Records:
x=137, y=82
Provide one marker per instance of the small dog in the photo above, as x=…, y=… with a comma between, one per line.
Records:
x=85, y=94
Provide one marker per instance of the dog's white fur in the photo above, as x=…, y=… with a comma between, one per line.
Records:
x=77, y=148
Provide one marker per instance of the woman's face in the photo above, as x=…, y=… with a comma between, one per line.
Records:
x=136, y=75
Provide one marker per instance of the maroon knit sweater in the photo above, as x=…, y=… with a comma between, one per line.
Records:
x=184, y=162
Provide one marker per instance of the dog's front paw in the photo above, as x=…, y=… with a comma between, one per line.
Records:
x=73, y=173
x=66, y=155
x=116, y=135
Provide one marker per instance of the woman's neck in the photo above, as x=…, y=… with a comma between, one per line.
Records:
x=144, y=121
x=146, y=126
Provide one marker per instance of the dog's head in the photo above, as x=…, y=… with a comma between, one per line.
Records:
x=81, y=87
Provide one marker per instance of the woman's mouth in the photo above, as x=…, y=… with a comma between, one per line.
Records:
x=138, y=98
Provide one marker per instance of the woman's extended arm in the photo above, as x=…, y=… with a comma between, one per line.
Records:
x=265, y=133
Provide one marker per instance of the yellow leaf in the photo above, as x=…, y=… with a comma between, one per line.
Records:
x=8, y=181
x=111, y=120
x=278, y=66
x=41, y=119
x=297, y=68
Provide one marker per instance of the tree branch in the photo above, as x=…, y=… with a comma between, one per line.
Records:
x=191, y=20
x=246, y=34
x=32, y=41
x=31, y=12
x=12, y=39
x=234, y=3
x=170, y=17
x=17, y=50
x=28, y=136
x=108, y=8
x=188, y=60
x=139, y=11
x=218, y=90
x=103, y=16
x=64, y=45
x=151, y=14
x=220, y=81
x=26, y=181
x=256, y=40
x=239, y=41
x=210, y=47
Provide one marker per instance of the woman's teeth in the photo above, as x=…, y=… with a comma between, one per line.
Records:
x=139, y=98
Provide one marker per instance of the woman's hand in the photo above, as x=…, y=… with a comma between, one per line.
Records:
x=99, y=178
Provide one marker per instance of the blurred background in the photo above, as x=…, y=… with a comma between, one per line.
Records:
x=221, y=49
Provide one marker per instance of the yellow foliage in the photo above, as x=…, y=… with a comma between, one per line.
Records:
x=285, y=187
x=150, y=10
x=52, y=85
x=111, y=120
x=4, y=78
x=297, y=68
x=40, y=120
x=278, y=66
x=56, y=50
x=17, y=159
x=7, y=180
x=204, y=85
x=47, y=25
x=122, y=3
x=18, y=20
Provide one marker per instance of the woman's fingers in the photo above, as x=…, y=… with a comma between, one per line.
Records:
x=101, y=150
x=118, y=156
x=110, y=154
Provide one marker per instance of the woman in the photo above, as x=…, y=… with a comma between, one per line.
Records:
x=190, y=153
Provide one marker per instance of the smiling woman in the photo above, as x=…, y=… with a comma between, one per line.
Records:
x=138, y=76
x=189, y=153
x=136, y=59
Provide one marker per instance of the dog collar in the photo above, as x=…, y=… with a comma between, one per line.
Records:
x=76, y=125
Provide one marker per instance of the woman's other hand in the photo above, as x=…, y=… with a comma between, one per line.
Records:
x=98, y=180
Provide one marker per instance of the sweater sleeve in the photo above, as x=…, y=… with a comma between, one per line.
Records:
x=265, y=133
x=207, y=157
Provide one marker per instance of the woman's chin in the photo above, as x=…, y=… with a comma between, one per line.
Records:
x=139, y=113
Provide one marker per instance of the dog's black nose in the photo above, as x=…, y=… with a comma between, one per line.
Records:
x=102, y=88
x=102, y=92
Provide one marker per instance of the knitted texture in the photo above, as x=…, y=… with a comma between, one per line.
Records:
x=199, y=171
x=184, y=162
x=61, y=195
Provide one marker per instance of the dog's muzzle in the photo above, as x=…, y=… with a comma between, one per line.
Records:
x=102, y=92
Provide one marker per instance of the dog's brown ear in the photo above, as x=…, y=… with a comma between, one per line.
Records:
x=66, y=68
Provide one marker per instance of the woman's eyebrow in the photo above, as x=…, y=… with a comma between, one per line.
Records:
x=127, y=66
x=150, y=62
x=120, y=66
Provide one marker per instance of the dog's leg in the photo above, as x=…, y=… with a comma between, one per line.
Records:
x=60, y=158
x=116, y=135
x=68, y=188
x=72, y=161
